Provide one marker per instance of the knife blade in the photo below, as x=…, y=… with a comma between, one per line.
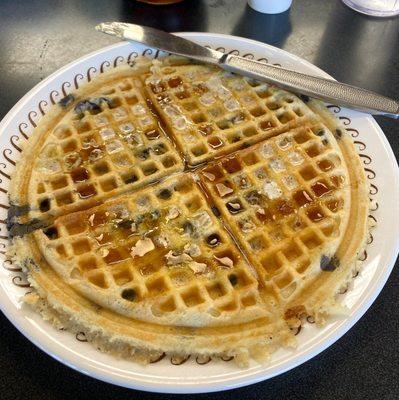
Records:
x=324, y=89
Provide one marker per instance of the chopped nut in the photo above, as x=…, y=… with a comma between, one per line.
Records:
x=172, y=259
x=91, y=219
x=192, y=249
x=197, y=268
x=223, y=189
x=213, y=241
x=226, y=261
x=172, y=213
x=208, y=175
x=133, y=227
x=202, y=220
x=261, y=211
x=162, y=240
x=235, y=206
x=104, y=252
x=100, y=237
x=143, y=246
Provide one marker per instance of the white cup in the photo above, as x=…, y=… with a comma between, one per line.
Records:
x=270, y=6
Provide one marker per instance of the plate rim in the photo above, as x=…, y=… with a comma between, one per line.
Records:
x=20, y=322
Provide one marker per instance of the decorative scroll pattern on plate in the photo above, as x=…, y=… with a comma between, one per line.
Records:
x=11, y=155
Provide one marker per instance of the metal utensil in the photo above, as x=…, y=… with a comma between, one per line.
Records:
x=325, y=89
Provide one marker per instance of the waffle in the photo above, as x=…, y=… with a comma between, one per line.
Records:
x=210, y=112
x=163, y=260
x=159, y=256
x=220, y=251
x=287, y=202
x=98, y=142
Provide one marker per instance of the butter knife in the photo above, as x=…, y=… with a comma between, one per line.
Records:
x=324, y=89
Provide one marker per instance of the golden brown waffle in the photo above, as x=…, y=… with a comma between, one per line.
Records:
x=286, y=201
x=159, y=255
x=217, y=261
x=152, y=272
x=210, y=112
x=101, y=141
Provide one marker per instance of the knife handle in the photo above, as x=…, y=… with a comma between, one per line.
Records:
x=325, y=89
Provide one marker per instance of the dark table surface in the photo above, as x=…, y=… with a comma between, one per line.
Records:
x=39, y=36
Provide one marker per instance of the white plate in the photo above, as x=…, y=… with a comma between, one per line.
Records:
x=163, y=376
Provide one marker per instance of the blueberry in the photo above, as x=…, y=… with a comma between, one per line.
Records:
x=233, y=279
x=129, y=294
x=91, y=105
x=67, y=100
x=143, y=154
x=165, y=194
x=329, y=264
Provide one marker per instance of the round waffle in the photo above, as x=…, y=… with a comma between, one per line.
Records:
x=221, y=260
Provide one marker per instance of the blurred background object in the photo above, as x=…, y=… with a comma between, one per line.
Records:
x=160, y=2
x=183, y=16
x=376, y=8
x=275, y=27
x=270, y=6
